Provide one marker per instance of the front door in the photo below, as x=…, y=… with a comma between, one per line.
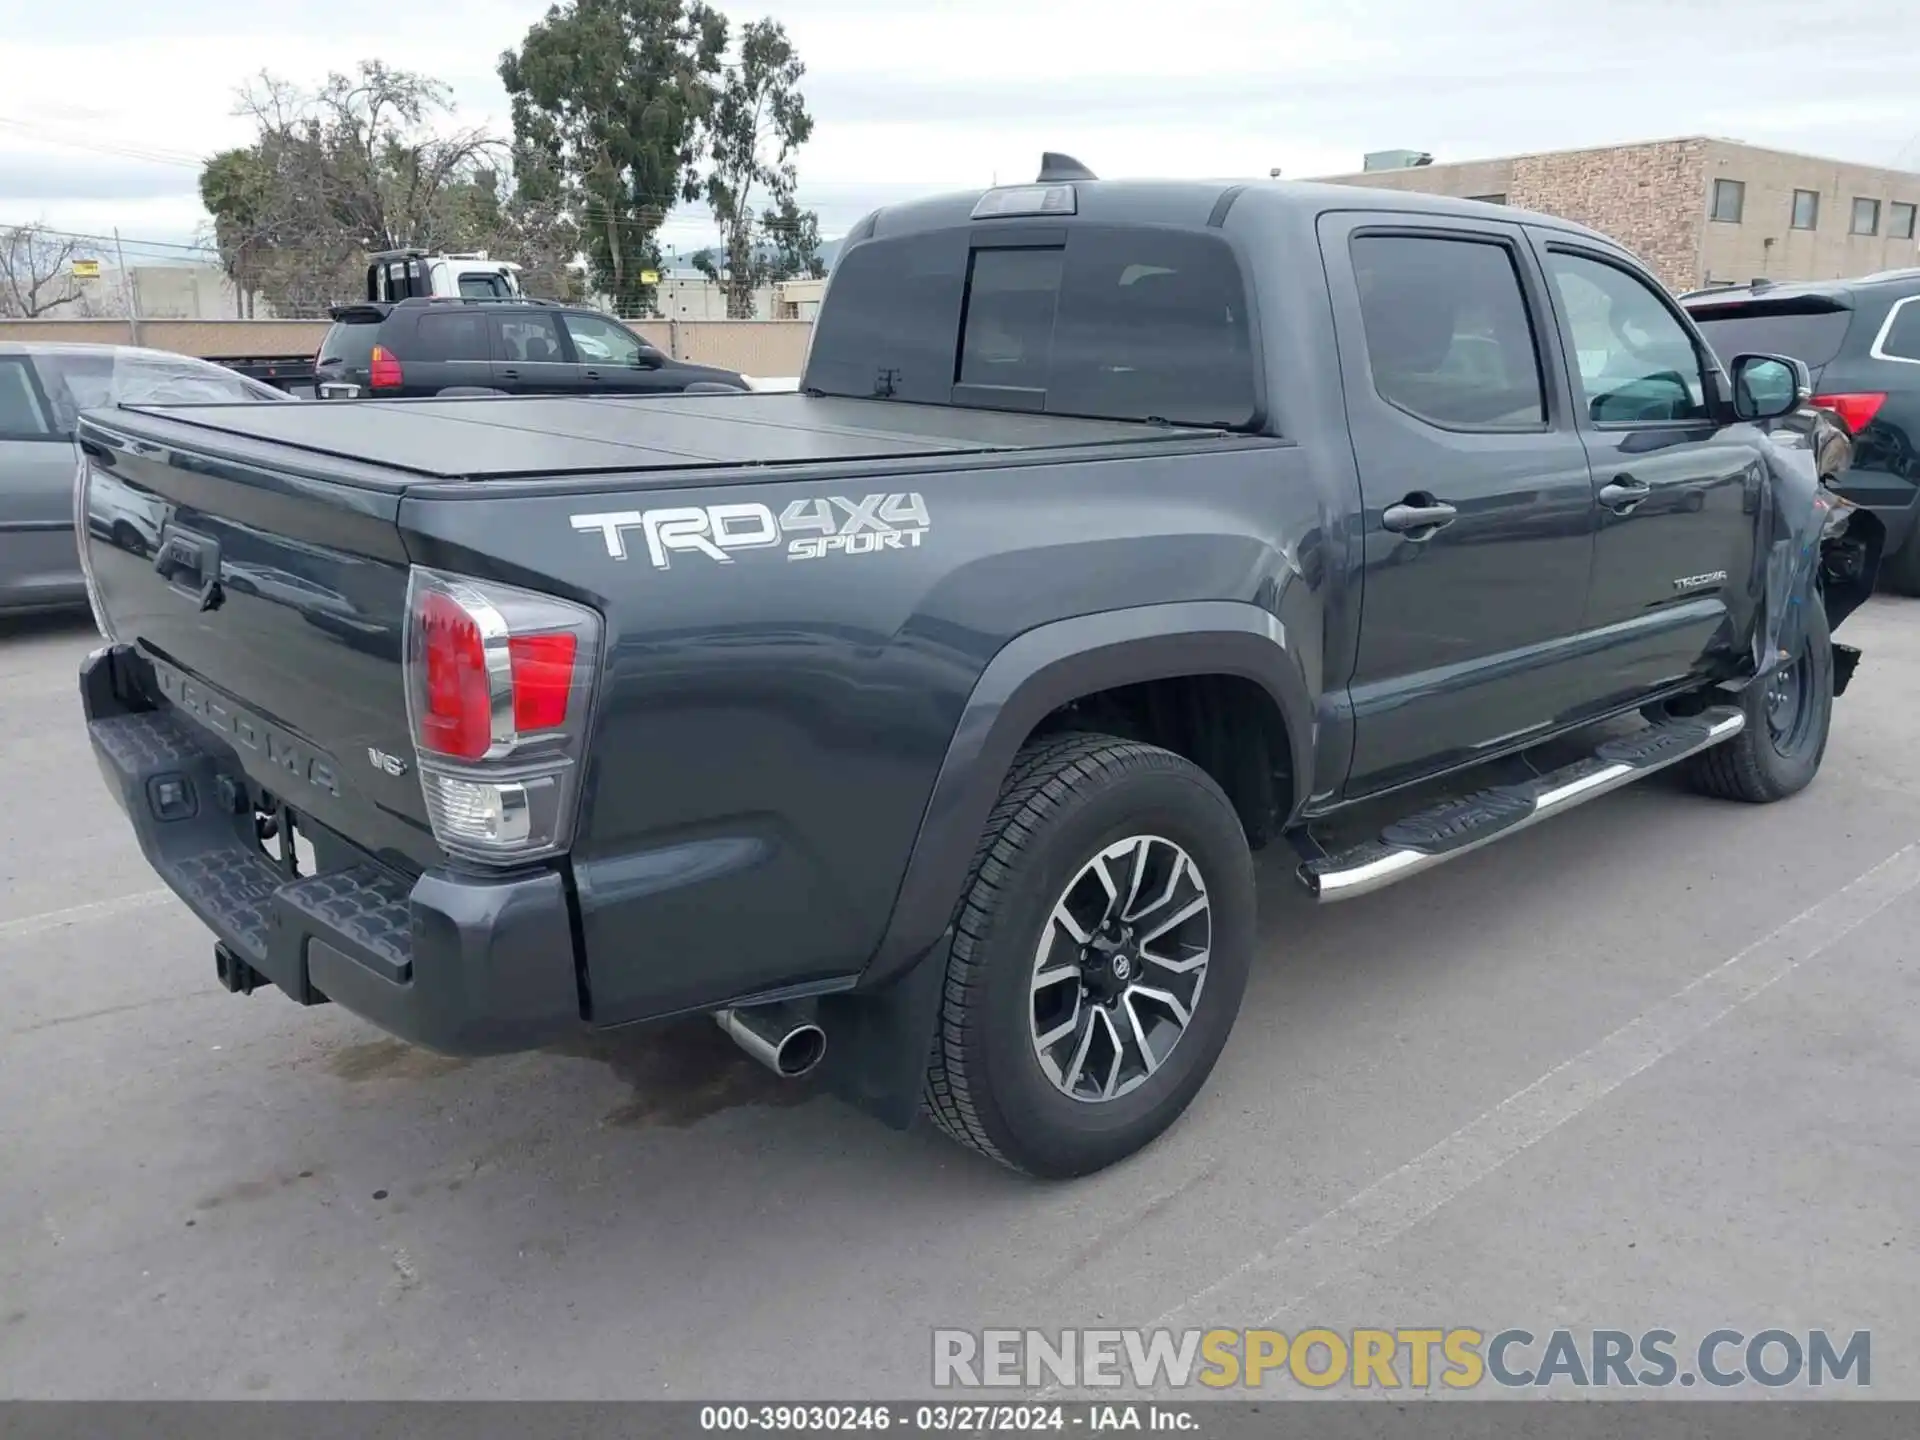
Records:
x=1479, y=508
x=614, y=360
x=1678, y=490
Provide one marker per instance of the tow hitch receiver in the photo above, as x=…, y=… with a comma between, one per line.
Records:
x=236, y=975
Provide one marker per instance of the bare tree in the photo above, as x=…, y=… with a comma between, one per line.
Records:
x=36, y=272
x=354, y=166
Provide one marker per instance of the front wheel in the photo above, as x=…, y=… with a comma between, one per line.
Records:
x=1788, y=716
x=1099, y=955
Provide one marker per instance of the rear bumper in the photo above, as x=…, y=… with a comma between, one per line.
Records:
x=460, y=964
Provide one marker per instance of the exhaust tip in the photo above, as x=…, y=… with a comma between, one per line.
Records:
x=801, y=1051
x=782, y=1038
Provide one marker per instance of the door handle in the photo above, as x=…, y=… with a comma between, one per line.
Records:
x=1623, y=492
x=1418, y=516
x=593, y=374
x=509, y=374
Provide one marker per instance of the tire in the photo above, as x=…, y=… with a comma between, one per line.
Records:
x=1901, y=570
x=1760, y=765
x=1068, y=800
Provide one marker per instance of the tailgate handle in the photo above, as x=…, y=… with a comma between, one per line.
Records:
x=190, y=564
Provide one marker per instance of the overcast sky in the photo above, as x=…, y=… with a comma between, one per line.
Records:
x=910, y=97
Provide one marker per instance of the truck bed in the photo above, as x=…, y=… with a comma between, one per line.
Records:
x=491, y=437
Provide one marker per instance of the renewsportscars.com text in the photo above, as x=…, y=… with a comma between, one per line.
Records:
x=1459, y=1358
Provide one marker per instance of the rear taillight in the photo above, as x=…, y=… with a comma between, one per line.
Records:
x=499, y=684
x=1856, y=411
x=383, y=370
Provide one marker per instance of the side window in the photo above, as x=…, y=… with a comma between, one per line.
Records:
x=22, y=416
x=529, y=339
x=1635, y=362
x=454, y=336
x=1901, y=340
x=603, y=342
x=76, y=381
x=1448, y=335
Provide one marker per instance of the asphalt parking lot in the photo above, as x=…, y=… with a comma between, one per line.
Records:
x=1655, y=1064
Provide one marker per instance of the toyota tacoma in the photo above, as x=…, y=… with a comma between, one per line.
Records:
x=921, y=724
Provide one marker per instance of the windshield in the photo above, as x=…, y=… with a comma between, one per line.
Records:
x=79, y=381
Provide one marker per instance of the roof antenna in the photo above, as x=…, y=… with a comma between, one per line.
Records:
x=1055, y=167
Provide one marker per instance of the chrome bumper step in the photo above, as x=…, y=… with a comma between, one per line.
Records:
x=1454, y=827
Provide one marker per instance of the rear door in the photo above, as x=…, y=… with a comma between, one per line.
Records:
x=1678, y=491
x=39, y=563
x=614, y=360
x=530, y=353
x=1479, y=510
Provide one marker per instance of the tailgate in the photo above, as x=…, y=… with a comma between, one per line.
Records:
x=271, y=605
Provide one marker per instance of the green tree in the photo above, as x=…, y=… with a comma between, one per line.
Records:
x=759, y=120
x=236, y=188
x=794, y=235
x=612, y=95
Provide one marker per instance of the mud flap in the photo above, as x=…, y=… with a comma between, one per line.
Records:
x=879, y=1041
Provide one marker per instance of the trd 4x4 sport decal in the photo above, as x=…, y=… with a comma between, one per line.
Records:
x=810, y=529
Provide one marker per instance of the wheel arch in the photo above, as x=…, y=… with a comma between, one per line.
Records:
x=1031, y=685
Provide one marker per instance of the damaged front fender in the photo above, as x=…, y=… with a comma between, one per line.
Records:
x=1817, y=548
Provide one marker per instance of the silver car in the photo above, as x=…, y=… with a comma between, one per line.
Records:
x=43, y=389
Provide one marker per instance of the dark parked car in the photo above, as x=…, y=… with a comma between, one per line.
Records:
x=1860, y=340
x=920, y=724
x=439, y=345
x=43, y=389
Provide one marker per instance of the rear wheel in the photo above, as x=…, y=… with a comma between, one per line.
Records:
x=1099, y=955
x=1788, y=717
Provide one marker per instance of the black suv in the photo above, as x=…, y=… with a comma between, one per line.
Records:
x=436, y=345
x=1861, y=341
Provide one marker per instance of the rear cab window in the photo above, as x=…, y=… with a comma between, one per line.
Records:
x=1119, y=322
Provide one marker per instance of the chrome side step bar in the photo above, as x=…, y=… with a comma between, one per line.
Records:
x=1454, y=827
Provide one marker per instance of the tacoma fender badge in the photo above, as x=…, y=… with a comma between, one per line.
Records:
x=1700, y=582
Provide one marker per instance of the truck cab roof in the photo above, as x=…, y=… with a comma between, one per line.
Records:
x=1203, y=203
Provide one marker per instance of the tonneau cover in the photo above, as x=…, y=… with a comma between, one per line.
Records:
x=491, y=437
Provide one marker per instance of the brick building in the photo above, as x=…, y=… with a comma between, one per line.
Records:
x=1698, y=210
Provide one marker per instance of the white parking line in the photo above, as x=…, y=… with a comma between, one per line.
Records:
x=1333, y=1246
x=80, y=914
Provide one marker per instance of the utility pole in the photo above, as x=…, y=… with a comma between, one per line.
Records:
x=131, y=288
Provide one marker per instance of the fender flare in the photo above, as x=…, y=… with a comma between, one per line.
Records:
x=1034, y=674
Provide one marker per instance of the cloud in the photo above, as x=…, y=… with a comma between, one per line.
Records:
x=910, y=98
x=30, y=178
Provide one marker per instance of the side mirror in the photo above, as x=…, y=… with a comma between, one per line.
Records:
x=1765, y=387
x=649, y=360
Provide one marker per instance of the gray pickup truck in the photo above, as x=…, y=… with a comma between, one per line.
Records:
x=922, y=724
